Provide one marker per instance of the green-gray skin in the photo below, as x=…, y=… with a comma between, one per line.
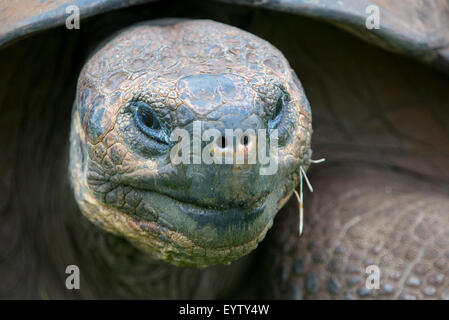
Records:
x=155, y=77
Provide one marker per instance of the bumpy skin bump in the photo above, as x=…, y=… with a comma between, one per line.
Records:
x=182, y=71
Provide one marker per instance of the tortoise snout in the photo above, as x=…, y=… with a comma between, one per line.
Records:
x=239, y=150
x=224, y=170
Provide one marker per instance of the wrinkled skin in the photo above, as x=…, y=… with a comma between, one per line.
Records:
x=162, y=76
x=380, y=120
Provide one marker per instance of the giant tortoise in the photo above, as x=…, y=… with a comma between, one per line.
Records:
x=87, y=174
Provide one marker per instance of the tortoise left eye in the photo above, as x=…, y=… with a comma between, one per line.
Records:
x=148, y=122
x=148, y=119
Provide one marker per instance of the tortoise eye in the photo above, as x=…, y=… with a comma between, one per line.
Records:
x=277, y=112
x=147, y=118
x=148, y=122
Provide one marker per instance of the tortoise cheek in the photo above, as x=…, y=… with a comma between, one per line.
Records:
x=98, y=122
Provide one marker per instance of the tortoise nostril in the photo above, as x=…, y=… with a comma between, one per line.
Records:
x=221, y=142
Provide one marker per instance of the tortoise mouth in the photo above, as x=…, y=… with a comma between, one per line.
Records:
x=246, y=206
x=195, y=208
x=205, y=225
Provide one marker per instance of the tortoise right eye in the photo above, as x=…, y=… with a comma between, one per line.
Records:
x=277, y=112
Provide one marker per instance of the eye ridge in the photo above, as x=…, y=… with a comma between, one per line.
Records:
x=148, y=122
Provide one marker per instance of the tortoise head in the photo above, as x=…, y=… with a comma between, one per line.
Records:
x=187, y=138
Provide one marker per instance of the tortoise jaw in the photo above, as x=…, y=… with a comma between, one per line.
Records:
x=186, y=234
x=198, y=236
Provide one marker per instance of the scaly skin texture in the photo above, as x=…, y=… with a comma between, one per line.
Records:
x=375, y=113
x=185, y=71
x=395, y=223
